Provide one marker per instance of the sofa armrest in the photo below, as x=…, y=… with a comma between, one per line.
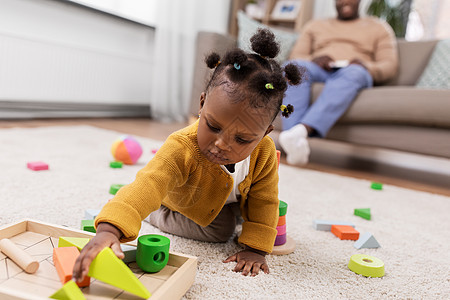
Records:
x=206, y=43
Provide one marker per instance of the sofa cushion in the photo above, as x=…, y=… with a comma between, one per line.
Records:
x=398, y=105
x=394, y=105
x=248, y=27
x=437, y=73
x=413, y=58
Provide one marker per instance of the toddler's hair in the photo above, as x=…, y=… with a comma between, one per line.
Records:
x=255, y=77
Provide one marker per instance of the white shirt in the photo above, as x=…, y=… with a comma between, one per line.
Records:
x=240, y=172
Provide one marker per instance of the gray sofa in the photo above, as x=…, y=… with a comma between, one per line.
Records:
x=396, y=115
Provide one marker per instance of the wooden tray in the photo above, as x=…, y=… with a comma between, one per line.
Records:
x=38, y=239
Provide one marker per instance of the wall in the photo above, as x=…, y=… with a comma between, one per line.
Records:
x=63, y=53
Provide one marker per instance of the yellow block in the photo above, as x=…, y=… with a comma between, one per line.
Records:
x=107, y=267
x=65, y=241
x=69, y=291
x=366, y=265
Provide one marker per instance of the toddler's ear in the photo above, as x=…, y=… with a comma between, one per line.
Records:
x=202, y=99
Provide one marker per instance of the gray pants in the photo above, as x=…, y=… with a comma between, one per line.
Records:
x=220, y=230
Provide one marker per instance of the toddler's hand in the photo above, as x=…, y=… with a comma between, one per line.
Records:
x=107, y=236
x=249, y=261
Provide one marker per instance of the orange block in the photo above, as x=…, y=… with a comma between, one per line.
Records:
x=345, y=232
x=278, y=158
x=281, y=221
x=64, y=259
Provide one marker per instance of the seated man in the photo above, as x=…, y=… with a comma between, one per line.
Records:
x=347, y=53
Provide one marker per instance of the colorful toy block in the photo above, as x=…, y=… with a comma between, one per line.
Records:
x=282, y=208
x=91, y=214
x=73, y=242
x=116, y=164
x=152, y=252
x=278, y=158
x=69, y=291
x=88, y=225
x=130, y=253
x=37, y=166
x=325, y=225
x=280, y=240
x=108, y=268
x=283, y=244
x=281, y=220
x=366, y=265
x=363, y=213
x=376, y=186
x=366, y=240
x=64, y=259
x=19, y=256
x=281, y=229
x=345, y=232
x=115, y=188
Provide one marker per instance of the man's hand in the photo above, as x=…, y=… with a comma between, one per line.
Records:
x=107, y=236
x=249, y=260
x=357, y=61
x=323, y=62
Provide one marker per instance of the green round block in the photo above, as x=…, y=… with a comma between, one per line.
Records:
x=116, y=164
x=152, y=252
x=115, y=188
x=282, y=208
x=377, y=186
x=366, y=265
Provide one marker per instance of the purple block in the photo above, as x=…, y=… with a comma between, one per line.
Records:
x=280, y=240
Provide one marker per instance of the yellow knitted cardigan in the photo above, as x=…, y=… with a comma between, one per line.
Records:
x=181, y=178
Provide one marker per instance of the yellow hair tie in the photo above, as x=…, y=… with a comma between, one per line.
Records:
x=269, y=86
x=283, y=108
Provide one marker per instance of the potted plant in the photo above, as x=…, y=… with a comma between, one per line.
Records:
x=395, y=15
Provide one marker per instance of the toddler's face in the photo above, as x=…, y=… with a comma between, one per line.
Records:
x=228, y=132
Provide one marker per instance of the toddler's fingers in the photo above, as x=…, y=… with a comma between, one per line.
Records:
x=230, y=259
x=247, y=269
x=117, y=250
x=265, y=268
x=86, y=261
x=255, y=269
x=239, y=266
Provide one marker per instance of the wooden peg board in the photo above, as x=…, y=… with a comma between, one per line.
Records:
x=38, y=239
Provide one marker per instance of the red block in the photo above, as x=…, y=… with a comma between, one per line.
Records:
x=64, y=259
x=37, y=166
x=345, y=232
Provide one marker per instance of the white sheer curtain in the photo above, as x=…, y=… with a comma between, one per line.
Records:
x=177, y=24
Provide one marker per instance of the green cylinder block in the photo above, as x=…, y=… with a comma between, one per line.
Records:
x=282, y=208
x=152, y=252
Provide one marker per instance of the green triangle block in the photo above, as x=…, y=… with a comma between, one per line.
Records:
x=107, y=267
x=65, y=241
x=363, y=213
x=69, y=291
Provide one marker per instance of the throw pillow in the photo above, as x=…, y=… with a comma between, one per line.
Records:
x=437, y=72
x=248, y=27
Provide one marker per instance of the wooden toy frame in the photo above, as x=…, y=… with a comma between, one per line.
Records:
x=38, y=239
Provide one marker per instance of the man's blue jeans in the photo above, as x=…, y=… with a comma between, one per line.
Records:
x=341, y=87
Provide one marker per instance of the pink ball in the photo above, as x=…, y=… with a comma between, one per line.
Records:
x=126, y=149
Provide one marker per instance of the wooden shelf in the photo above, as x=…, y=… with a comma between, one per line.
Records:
x=304, y=15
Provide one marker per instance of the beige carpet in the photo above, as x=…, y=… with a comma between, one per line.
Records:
x=412, y=227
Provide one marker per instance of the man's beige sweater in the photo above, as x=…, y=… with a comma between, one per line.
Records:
x=368, y=39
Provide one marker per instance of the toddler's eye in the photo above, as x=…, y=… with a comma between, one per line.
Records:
x=242, y=141
x=212, y=128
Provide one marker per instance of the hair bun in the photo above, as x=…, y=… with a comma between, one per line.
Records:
x=293, y=73
x=263, y=42
x=212, y=60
